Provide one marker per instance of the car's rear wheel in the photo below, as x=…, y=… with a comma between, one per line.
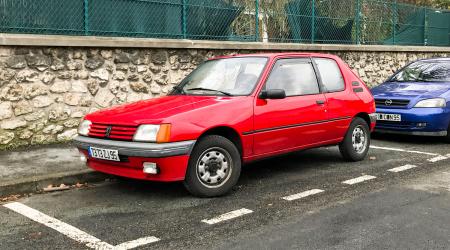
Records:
x=214, y=167
x=356, y=142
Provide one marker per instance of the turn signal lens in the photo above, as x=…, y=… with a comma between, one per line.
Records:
x=163, y=133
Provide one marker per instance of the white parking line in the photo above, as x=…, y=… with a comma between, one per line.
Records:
x=66, y=229
x=73, y=232
x=228, y=216
x=136, y=243
x=359, y=179
x=302, y=194
x=402, y=168
x=404, y=150
x=438, y=158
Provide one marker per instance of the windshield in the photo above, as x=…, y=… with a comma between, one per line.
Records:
x=424, y=71
x=230, y=77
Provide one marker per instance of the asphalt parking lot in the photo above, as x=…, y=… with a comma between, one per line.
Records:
x=398, y=198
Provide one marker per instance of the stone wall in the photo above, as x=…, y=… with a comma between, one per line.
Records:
x=45, y=91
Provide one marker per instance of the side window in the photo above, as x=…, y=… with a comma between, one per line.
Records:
x=296, y=77
x=330, y=74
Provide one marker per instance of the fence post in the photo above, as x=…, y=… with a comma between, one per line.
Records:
x=313, y=20
x=86, y=17
x=358, y=21
x=256, y=20
x=184, y=18
x=425, y=27
x=394, y=20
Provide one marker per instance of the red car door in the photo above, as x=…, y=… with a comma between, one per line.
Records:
x=296, y=121
x=339, y=99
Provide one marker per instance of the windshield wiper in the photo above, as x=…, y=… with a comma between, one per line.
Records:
x=215, y=90
x=179, y=89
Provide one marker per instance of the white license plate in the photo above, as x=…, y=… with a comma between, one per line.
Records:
x=389, y=117
x=104, y=154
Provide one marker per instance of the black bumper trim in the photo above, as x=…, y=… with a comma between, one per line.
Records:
x=419, y=133
x=138, y=149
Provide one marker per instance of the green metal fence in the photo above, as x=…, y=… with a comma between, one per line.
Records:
x=293, y=21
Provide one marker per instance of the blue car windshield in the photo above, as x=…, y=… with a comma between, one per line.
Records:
x=424, y=71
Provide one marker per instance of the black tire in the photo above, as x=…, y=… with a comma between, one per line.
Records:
x=447, y=138
x=222, y=158
x=346, y=147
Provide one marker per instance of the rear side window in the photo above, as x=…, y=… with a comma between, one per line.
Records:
x=330, y=74
x=295, y=76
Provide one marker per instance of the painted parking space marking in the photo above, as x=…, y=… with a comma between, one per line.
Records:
x=73, y=232
x=228, y=216
x=302, y=194
x=404, y=150
x=66, y=229
x=136, y=243
x=438, y=158
x=359, y=179
x=402, y=168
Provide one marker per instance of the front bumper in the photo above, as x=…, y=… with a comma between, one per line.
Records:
x=140, y=149
x=436, y=121
x=419, y=133
x=171, y=158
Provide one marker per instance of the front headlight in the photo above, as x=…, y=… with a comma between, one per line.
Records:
x=84, y=127
x=152, y=133
x=431, y=103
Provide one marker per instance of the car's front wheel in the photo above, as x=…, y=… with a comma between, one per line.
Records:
x=356, y=142
x=214, y=167
x=447, y=137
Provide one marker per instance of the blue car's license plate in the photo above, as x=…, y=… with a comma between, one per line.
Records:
x=389, y=117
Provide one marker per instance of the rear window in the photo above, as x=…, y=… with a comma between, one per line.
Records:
x=424, y=71
x=330, y=74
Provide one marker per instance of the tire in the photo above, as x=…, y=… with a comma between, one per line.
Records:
x=214, y=167
x=447, y=138
x=352, y=148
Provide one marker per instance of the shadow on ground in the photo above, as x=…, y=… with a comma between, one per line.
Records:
x=417, y=140
x=252, y=173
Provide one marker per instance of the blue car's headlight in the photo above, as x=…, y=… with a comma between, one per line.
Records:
x=431, y=103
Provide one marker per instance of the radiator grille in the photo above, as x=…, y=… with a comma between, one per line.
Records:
x=113, y=132
x=391, y=102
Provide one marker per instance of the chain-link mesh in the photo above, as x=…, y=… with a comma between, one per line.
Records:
x=42, y=16
x=292, y=21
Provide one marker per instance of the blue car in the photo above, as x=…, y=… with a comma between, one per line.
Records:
x=416, y=100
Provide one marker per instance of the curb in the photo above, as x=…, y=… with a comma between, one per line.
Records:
x=37, y=184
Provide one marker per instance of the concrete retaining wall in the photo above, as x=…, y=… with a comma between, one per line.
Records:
x=48, y=83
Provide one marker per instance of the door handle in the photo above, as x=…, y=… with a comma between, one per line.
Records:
x=320, y=102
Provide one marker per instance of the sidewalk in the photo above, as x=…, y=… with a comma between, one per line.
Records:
x=32, y=169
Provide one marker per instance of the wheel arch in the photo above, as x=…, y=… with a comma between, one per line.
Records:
x=365, y=117
x=227, y=132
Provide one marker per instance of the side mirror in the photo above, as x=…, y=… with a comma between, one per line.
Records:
x=272, y=94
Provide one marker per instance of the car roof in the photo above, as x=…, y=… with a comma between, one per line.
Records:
x=274, y=55
x=436, y=59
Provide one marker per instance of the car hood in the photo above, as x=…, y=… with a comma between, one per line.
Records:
x=410, y=90
x=154, y=110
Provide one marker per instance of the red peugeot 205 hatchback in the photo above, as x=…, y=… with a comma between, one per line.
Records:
x=229, y=111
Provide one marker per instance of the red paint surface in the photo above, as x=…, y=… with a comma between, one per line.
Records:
x=171, y=168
